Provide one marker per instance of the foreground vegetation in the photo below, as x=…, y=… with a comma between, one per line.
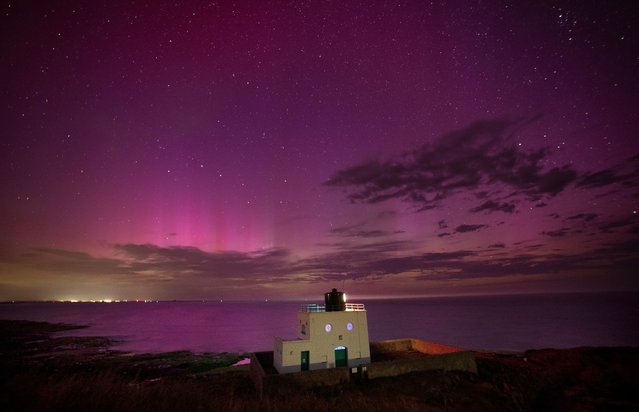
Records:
x=45, y=373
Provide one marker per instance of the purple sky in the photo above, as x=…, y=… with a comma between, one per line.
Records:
x=187, y=150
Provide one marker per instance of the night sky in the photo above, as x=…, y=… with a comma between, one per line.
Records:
x=252, y=150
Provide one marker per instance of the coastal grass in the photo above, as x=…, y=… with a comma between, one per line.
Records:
x=108, y=390
x=41, y=372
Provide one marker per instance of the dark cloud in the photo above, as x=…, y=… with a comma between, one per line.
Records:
x=419, y=262
x=350, y=261
x=154, y=263
x=608, y=193
x=347, y=229
x=497, y=245
x=468, y=228
x=491, y=206
x=65, y=254
x=554, y=181
x=157, y=268
x=615, y=257
x=178, y=259
x=615, y=224
x=63, y=262
x=557, y=233
x=619, y=259
x=626, y=174
x=390, y=246
x=358, y=231
x=442, y=224
x=598, y=179
x=356, y=265
x=481, y=154
x=586, y=217
x=370, y=233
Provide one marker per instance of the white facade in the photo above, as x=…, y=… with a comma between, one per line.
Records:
x=325, y=340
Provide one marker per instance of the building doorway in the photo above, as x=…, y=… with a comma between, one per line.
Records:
x=341, y=356
x=305, y=360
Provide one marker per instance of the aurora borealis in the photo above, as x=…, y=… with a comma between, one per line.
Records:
x=248, y=150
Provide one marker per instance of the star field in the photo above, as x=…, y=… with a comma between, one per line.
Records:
x=188, y=150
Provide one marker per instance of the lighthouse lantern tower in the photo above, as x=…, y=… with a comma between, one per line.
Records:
x=331, y=335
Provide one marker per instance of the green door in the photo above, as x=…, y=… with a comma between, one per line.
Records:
x=341, y=356
x=305, y=360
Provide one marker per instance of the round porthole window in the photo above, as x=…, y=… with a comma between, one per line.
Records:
x=349, y=326
x=328, y=327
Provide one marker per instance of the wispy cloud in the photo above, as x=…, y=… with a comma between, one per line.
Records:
x=491, y=206
x=625, y=174
x=557, y=233
x=585, y=217
x=175, y=259
x=483, y=154
x=468, y=228
x=612, y=226
x=359, y=230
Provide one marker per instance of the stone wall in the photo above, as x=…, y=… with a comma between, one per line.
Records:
x=404, y=345
x=267, y=380
x=432, y=348
x=453, y=361
x=439, y=357
x=256, y=370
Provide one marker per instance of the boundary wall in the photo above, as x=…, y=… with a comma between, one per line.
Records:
x=439, y=357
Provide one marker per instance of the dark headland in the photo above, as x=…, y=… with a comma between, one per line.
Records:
x=42, y=372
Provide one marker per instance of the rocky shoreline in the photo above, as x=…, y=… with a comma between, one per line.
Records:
x=40, y=371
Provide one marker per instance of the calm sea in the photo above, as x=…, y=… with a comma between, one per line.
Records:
x=511, y=323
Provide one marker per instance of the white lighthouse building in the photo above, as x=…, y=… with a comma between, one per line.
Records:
x=331, y=335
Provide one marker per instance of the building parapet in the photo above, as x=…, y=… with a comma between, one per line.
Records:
x=314, y=308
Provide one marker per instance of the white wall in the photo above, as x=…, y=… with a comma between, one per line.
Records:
x=321, y=344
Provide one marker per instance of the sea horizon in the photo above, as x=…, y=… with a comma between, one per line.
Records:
x=303, y=299
x=514, y=322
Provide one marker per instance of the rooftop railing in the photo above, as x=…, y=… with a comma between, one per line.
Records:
x=312, y=307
